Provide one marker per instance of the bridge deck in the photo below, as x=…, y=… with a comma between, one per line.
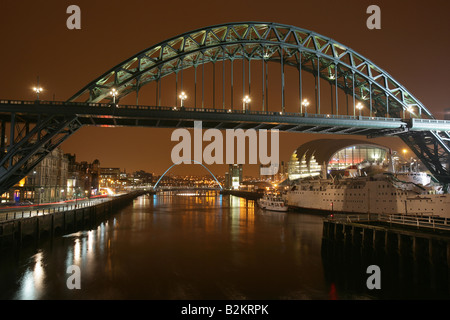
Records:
x=97, y=114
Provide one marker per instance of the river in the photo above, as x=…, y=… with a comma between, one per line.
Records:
x=184, y=247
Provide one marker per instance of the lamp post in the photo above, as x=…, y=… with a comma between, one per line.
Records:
x=37, y=89
x=114, y=93
x=182, y=97
x=305, y=103
x=245, y=101
x=410, y=110
x=359, y=106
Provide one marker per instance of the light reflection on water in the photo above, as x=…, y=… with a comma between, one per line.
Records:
x=182, y=247
x=179, y=247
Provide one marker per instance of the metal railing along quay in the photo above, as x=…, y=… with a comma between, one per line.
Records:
x=30, y=211
x=429, y=222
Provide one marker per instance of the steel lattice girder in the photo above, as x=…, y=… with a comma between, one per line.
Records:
x=294, y=46
x=432, y=148
x=31, y=145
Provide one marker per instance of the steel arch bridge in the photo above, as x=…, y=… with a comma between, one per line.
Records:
x=387, y=108
x=184, y=161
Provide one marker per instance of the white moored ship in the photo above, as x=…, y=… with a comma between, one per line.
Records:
x=353, y=176
x=402, y=193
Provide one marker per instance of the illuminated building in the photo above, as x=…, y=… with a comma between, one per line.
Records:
x=83, y=178
x=47, y=182
x=233, y=177
x=110, y=178
x=323, y=157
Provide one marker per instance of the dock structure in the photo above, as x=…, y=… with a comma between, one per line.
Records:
x=19, y=230
x=416, y=236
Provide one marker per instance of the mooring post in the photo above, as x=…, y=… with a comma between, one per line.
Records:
x=374, y=239
x=386, y=243
x=430, y=251
x=415, y=248
x=37, y=228
x=448, y=255
x=399, y=244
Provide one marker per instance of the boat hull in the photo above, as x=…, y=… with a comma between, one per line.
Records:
x=360, y=196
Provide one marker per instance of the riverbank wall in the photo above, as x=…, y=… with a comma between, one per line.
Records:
x=17, y=232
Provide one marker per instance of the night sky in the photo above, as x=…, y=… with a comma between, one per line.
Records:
x=413, y=46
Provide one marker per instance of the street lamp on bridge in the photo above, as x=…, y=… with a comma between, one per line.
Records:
x=182, y=97
x=305, y=103
x=410, y=110
x=114, y=93
x=359, y=106
x=245, y=101
x=37, y=89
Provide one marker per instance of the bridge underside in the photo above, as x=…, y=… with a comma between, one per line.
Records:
x=104, y=115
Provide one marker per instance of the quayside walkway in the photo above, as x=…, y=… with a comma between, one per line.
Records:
x=18, y=226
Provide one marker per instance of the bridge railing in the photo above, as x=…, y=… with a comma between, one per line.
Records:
x=211, y=110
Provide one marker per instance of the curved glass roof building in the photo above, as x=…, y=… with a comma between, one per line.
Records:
x=325, y=157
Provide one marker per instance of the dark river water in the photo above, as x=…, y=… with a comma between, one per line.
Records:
x=176, y=247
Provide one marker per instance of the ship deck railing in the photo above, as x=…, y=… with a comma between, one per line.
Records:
x=419, y=221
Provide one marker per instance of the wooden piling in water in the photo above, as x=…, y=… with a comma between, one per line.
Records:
x=407, y=243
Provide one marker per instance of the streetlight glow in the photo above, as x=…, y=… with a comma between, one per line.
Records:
x=359, y=106
x=245, y=101
x=37, y=90
x=183, y=97
x=305, y=103
x=114, y=93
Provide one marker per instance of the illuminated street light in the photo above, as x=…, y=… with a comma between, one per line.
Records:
x=245, y=101
x=183, y=97
x=37, y=89
x=359, y=106
x=404, y=152
x=305, y=103
x=410, y=109
x=114, y=93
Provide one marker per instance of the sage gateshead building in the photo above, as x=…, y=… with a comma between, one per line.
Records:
x=331, y=157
